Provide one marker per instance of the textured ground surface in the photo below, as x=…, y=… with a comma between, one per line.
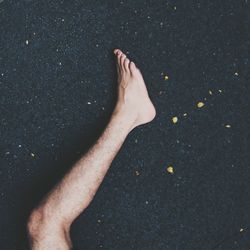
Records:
x=57, y=89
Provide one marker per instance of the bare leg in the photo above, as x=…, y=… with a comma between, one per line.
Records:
x=49, y=224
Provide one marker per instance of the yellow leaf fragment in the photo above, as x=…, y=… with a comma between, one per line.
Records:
x=175, y=119
x=166, y=77
x=200, y=104
x=170, y=169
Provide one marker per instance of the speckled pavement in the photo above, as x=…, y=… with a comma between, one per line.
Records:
x=178, y=183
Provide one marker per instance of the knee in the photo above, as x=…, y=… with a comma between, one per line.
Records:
x=44, y=229
x=43, y=220
x=36, y=223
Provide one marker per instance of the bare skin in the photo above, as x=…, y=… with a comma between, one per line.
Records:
x=49, y=224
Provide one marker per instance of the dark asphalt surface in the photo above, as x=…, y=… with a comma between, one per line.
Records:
x=57, y=90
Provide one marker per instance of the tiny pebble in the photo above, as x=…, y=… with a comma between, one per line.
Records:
x=210, y=92
x=32, y=154
x=185, y=114
x=200, y=104
x=88, y=103
x=228, y=126
x=241, y=230
x=220, y=90
x=137, y=173
x=236, y=73
x=175, y=119
x=170, y=169
x=27, y=42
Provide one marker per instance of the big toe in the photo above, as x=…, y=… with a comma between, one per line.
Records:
x=117, y=51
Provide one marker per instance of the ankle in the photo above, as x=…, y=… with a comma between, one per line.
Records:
x=125, y=116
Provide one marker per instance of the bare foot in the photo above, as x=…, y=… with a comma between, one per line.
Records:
x=133, y=99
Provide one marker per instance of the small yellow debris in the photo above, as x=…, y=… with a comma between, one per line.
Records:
x=236, y=73
x=170, y=169
x=228, y=126
x=200, y=104
x=185, y=114
x=137, y=173
x=241, y=230
x=210, y=92
x=175, y=119
x=166, y=77
x=32, y=154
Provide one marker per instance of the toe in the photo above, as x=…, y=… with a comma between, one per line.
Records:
x=118, y=57
x=126, y=64
x=133, y=68
x=122, y=59
x=119, y=60
x=117, y=66
x=117, y=51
